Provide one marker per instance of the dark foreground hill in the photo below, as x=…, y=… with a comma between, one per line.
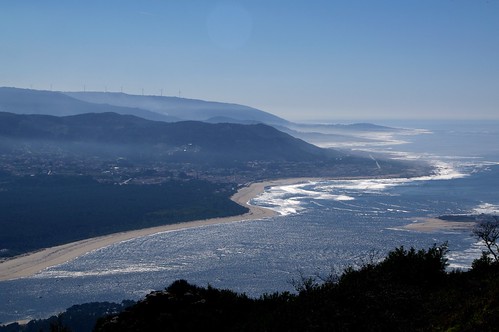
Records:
x=409, y=290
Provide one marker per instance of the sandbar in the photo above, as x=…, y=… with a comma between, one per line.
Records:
x=32, y=263
x=436, y=224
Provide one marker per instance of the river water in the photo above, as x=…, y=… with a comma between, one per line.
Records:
x=322, y=228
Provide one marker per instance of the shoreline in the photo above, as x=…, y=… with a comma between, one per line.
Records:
x=31, y=263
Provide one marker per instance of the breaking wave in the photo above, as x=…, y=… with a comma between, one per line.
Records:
x=292, y=199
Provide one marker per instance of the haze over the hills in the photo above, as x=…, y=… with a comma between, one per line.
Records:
x=179, y=141
x=182, y=108
x=28, y=101
x=151, y=113
x=168, y=109
x=173, y=109
x=105, y=164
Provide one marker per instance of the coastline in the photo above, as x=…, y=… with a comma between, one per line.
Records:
x=32, y=263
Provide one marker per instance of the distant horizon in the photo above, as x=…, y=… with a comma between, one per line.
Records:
x=386, y=121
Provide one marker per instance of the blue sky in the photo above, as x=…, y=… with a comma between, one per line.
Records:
x=316, y=60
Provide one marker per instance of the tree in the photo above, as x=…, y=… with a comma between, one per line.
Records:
x=488, y=232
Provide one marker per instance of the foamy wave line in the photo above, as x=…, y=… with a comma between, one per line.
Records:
x=487, y=208
x=464, y=259
x=288, y=199
x=443, y=171
x=108, y=271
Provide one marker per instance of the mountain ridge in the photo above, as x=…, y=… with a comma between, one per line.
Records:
x=24, y=101
x=158, y=108
x=182, y=108
x=184, y=139
x=175, y=109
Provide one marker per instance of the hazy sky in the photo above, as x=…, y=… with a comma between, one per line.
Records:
x=299, y=59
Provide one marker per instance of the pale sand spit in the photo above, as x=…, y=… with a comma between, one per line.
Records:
x=32, y=263
x=436, y=224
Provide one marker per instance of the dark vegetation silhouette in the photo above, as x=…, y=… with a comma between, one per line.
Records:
x=79, y=207
x=488, y=232
x=409, y=290
x=78, y=318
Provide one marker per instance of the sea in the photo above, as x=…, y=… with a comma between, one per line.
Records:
x=322, y=228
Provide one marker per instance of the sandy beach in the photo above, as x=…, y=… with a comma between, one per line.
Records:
x=32, y=263
x=436, y=224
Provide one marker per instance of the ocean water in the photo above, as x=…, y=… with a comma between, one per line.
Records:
x=322, y=228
